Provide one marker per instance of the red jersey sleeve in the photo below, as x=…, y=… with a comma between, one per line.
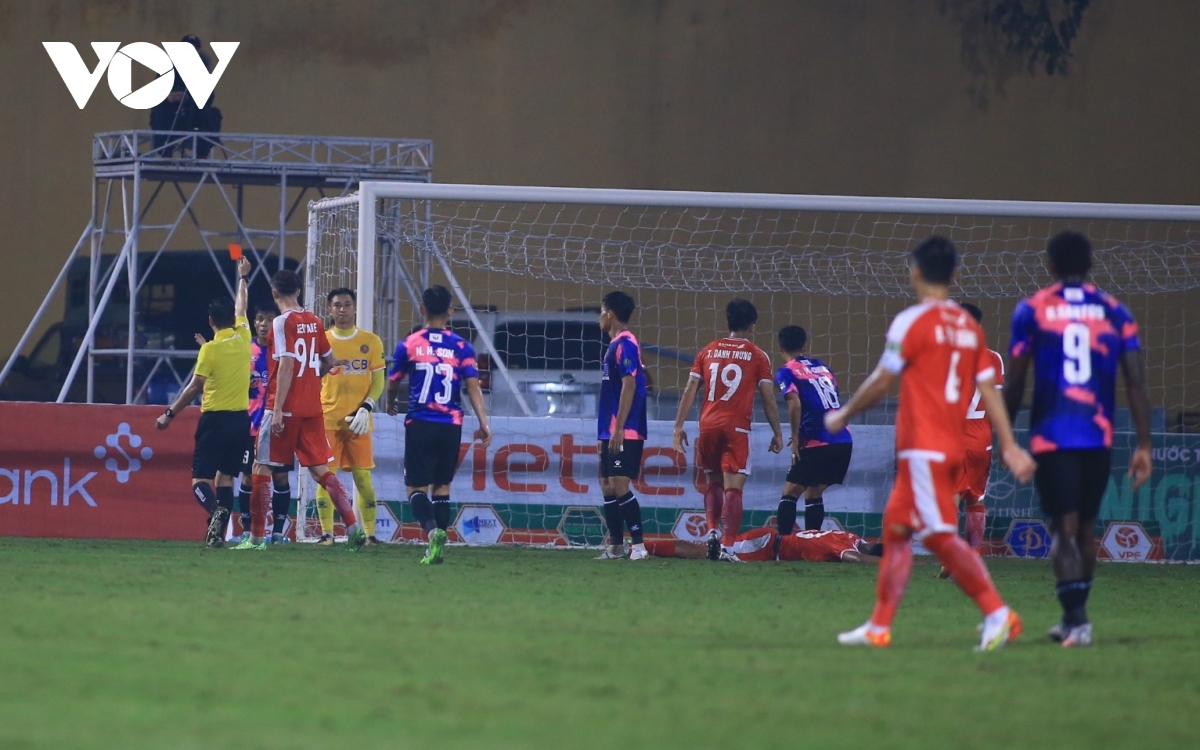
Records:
x=698, y=365
x=998, y=363
x=325, y=348
x=762, y=367
x=985, y=368
x=283, y=337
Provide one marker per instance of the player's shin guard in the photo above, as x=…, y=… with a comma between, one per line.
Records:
x=203, y=492
x=422, y=510
x=441, y=511
x=731, y=517
x=976, y=522
x=281, y=500
x=260, y=503
x=966, y=569
x=341, y=501
x=814, y=513
x=614, y=520
x=894, y=571
x=631, y=512
x=324, y=511
x=714, y=500
x=367, y=505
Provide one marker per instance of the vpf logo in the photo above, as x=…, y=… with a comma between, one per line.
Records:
x=172, y=57
x=690, y=526
x=132, y=458
x=1127, y=537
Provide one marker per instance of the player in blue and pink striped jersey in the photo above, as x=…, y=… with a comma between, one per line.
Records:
x=440, y=365
x=819, y=458
x=1076, y=336
x=621, y=427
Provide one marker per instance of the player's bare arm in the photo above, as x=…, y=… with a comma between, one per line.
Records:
x=795, y=414
x=1133, y=367
x=679, y=438
x=872, y=390
x=240, y=299
x=766, y=389
x=628, y=387
x=475, y=395
x=193, y=389
x=287, y=367
x=1018, y=368
x=393, y=397
x=1016, y=458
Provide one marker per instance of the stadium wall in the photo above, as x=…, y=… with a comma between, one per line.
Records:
x=105, y=472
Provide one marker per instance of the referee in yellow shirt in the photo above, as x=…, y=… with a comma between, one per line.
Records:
x=348, y=396
x=223, y=375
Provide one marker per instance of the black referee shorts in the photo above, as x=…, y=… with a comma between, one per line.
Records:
x=1072, y=481
x=221, y=438
x=430, y=452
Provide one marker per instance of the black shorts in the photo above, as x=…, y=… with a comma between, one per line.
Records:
x=627, y=463
x=430, y=452
x=823, y=464
x=221, y=438
x=1072, y=481
x=248, y=456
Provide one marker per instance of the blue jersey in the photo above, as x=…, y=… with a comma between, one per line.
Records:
x=259, y=372
x=437, y=363
x=623, y=357
x=1075, y=335
x=815, y=384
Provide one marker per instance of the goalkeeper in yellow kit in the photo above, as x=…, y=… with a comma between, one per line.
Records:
x=348, y=396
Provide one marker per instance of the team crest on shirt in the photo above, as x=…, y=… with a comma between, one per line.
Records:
x=435, y=338
x=364, y=348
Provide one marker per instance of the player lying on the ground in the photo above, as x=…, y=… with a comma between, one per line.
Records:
x=758, y=545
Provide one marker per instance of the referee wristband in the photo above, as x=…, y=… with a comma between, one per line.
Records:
x=170, y=413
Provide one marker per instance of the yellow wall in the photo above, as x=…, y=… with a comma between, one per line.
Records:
x=785, y=96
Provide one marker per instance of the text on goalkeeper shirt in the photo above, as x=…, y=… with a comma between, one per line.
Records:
x=344, y=388
x=224, y=363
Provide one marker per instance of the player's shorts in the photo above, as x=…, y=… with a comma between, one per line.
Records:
x=724, y=449
x=351, y=451
x=627, y=463
x=248, y=455
x=1072, y=481
x=430, y=452
x=302, y=439
x=925, y=494
x=220, y=441
x=976, y=468
x=822, y=464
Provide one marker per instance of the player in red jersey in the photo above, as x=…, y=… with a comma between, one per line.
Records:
x=758, y=545
x=933, y=349
x=977, y=465
x=293, y=425
x=728, y=372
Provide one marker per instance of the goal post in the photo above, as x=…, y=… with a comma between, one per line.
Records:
x=527, y=267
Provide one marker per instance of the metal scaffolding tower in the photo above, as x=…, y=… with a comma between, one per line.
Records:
x=244, y=189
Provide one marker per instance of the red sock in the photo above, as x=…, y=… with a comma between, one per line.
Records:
x=341, y=501
x=894, y=571
x=714, y=497
x=976, y=522
x=966, y=569
x=661, y=547
x=731, y=516
x=260, y=505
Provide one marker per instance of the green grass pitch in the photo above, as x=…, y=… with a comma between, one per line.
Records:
x=165, y=645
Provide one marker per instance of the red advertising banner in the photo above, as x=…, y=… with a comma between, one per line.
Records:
x=96, y=471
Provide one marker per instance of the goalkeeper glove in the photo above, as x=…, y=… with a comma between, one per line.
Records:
x=360, y=420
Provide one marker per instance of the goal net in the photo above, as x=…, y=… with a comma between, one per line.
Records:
x=528, y=267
